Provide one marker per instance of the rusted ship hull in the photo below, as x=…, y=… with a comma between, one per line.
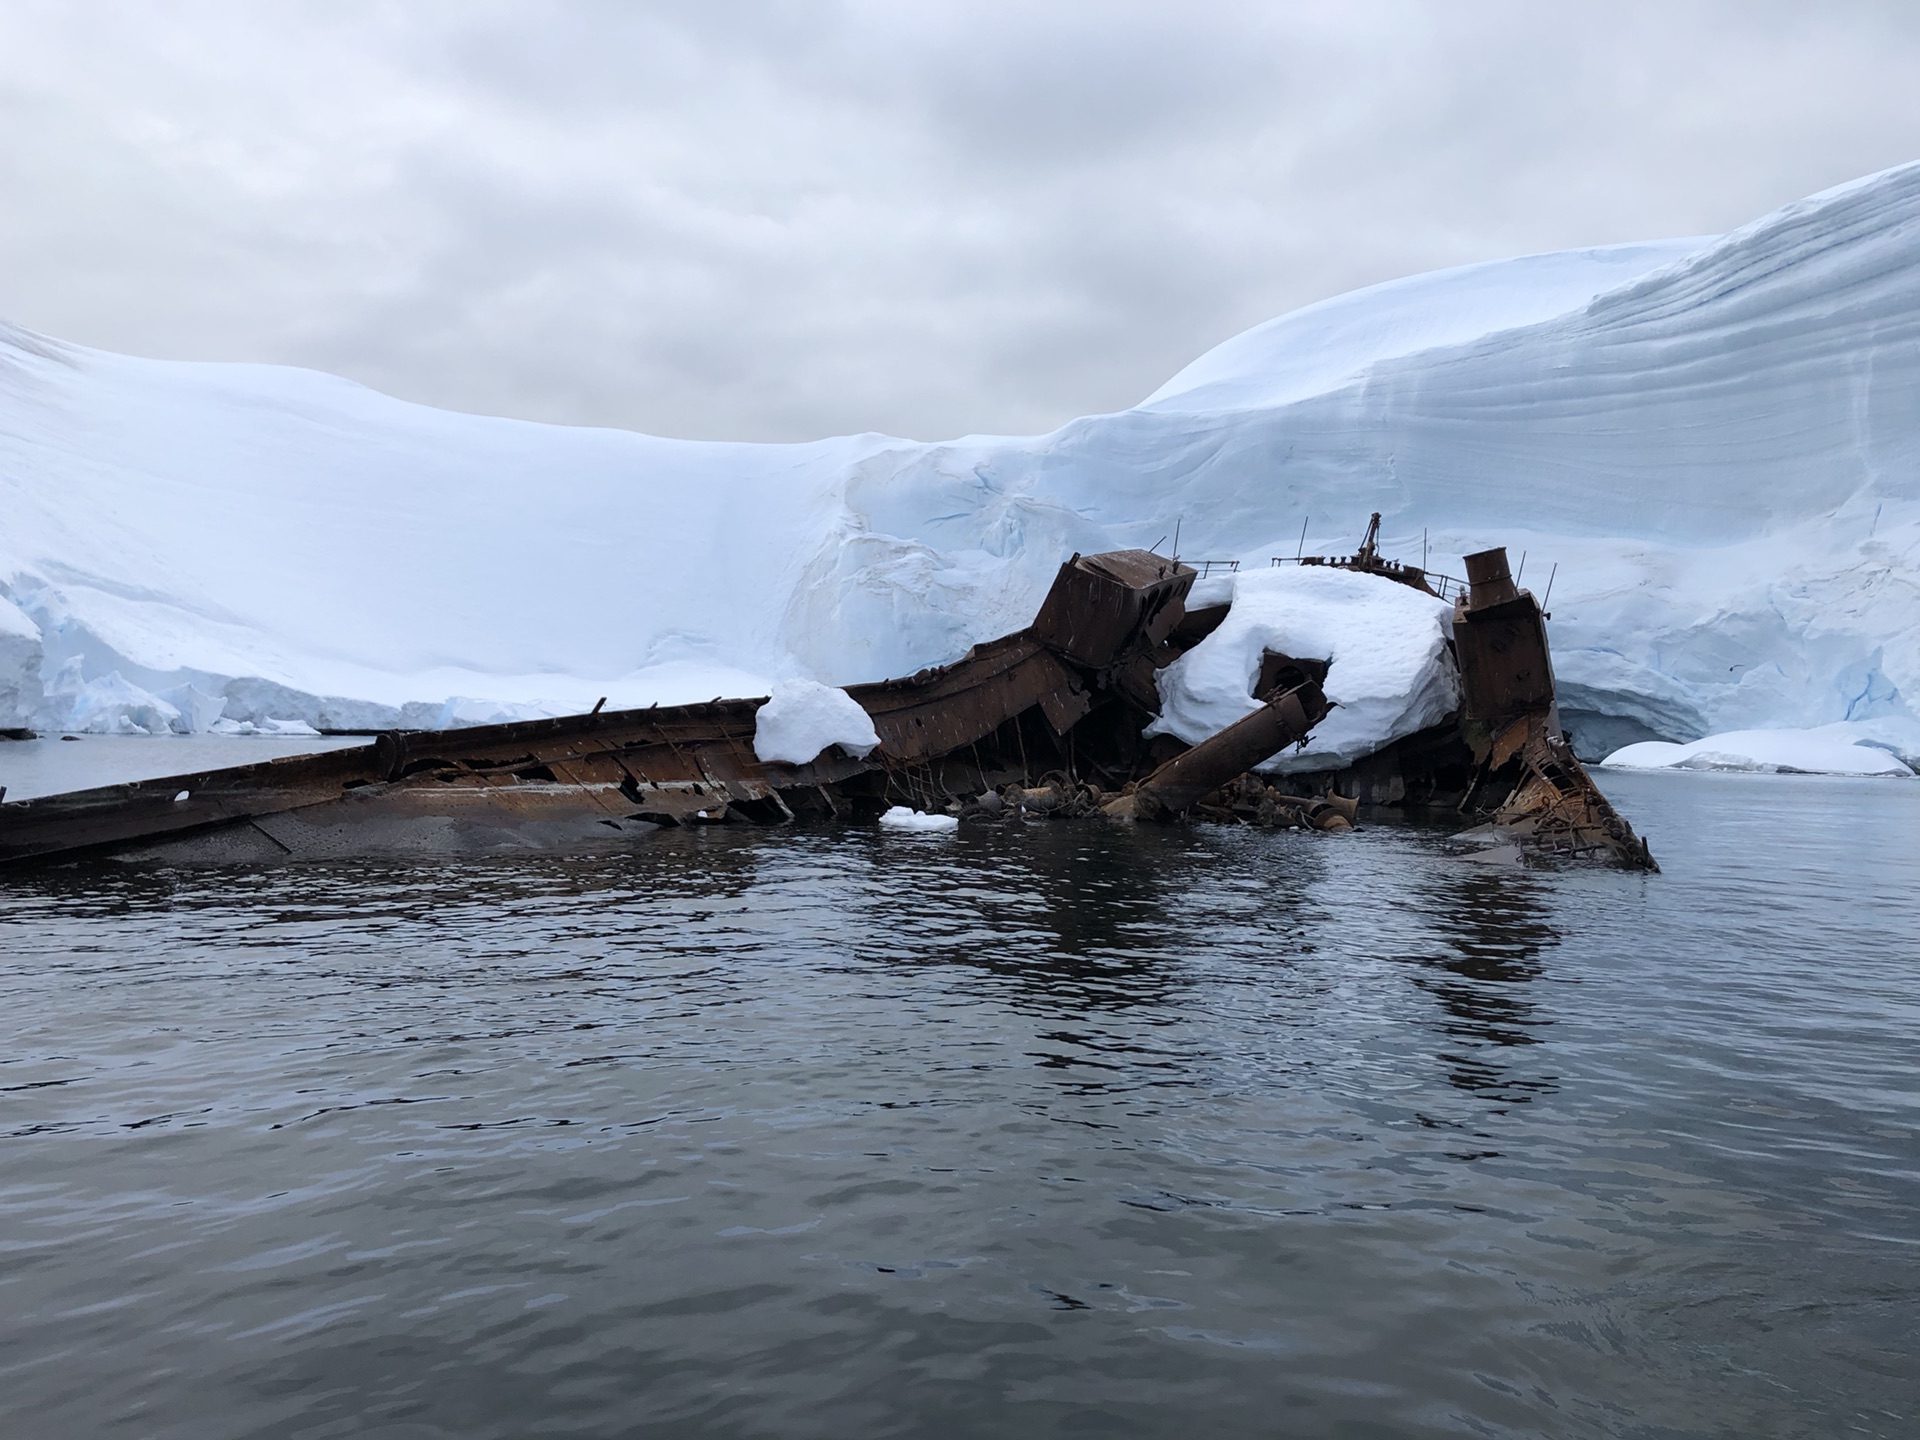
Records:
x=1045, y=720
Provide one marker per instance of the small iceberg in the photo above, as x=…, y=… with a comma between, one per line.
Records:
x=900, y=817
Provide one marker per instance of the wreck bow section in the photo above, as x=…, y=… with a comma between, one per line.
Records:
x=1069, y=694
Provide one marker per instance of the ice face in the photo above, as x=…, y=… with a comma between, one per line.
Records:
x=1717, y=443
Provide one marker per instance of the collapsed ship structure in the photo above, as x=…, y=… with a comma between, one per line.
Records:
x=1047, y=721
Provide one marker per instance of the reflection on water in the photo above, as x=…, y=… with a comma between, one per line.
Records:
x=1047, y=1129
x=1496, y=935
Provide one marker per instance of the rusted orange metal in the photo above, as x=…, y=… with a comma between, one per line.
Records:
x=666, y=764
x=1101, y=606
x=1183, y=781
x=1501, y=643
x=1537, y=788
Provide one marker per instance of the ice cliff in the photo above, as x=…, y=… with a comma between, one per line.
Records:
x=1716, y=441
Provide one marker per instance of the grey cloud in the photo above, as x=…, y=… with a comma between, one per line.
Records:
x=780, y=220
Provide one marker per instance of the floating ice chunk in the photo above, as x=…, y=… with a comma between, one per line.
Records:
x=902, y=817
x=803, y=717
x=1389, y=671
x=1791, y=752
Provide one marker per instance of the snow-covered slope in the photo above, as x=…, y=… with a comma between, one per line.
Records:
x=1716, y=441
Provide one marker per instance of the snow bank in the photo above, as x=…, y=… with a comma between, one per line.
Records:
x=901, y=817
x=1824, y=751
x=1717, y=441
x=1389, y=672
x=802, y=718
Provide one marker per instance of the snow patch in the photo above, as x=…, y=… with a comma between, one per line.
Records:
x=1389, y=672
x=803, y=717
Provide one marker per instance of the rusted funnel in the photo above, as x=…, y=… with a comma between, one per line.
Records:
x=1488, y=582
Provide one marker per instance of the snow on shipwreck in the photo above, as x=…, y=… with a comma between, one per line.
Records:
x=1709, y=443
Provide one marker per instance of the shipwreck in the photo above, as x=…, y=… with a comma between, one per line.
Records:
x=1047, y=721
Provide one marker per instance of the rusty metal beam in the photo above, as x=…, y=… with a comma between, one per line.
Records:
x=179, y=804
x=1175, y=786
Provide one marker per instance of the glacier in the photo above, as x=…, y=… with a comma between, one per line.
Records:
x=1707, y=444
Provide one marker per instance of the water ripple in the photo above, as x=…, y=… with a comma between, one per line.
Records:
x=1030, y=1130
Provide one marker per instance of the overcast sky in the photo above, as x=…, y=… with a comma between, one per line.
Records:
x=780, y=221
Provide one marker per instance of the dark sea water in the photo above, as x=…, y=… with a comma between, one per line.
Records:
x=1057, y=1130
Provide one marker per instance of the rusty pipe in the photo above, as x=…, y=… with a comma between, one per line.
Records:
x=1176, y=785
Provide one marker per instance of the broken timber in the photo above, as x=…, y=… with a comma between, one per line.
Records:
x=1048, y=719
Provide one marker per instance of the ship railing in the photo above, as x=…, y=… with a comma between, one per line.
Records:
x=1445, y=586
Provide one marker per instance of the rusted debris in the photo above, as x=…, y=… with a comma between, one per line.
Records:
x=1249, y=800
x=1528, y=773
x=1556, y=805
x=1044, y=722
x=1182, y=782
x=1102, y=606
x=1070, y=693
x=1502, y=762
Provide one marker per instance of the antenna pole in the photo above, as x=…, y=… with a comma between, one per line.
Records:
x=1523, y=568
x=1301, y=548
x=1176, y=538
x=1549, y=595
